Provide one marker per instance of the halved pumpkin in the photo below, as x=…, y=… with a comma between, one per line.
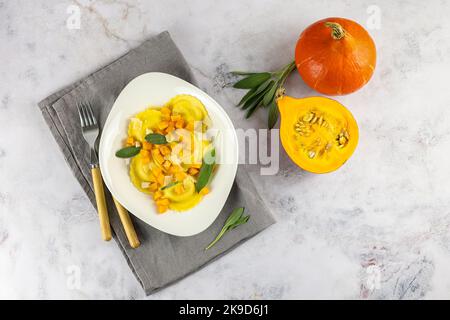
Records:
x=319, y=134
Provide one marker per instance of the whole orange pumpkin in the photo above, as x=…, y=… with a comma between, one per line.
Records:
x=335, y=56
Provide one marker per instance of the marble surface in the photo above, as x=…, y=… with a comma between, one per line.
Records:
x=384, y=216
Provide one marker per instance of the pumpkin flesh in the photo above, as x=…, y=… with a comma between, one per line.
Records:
x=319, y=134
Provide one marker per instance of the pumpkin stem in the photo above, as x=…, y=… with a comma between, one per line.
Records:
x=337, y=31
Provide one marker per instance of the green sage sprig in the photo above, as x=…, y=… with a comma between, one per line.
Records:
x=128, y=152
x=235, y=219
x=209, y=161
x=263, y=90
x=156, y=138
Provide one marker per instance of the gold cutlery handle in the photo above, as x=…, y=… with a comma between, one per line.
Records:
x=127, y=225
x=101, y=203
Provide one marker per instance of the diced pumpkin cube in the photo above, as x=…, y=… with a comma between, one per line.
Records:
x=179, y=189
x=175, y=117
x=204, y=191
x=160, y=179
x=190, y=126
x=163, y=124
x=163, y=202
x=165, y=111
x=192, y=171
x=146, y=145
x=156, y=171
x=174, y=168
x=153, y=186
x=145, y=153
x=179, y=124
x=157, y=195
x=166, y=164
x=162, y=209
x=170, y=128
x=159, y=158
x=164, y=150
x=180, y=176
x=130, y=141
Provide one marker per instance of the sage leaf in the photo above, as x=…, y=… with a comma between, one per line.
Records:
x=242, y=220
x=273, y=114
x=247, y=96
x=209, y=160
x=252, y=101
x=252, y=81
x=258, y=96
x=242, y=73
x=264, y=86
x=270, y=95
x=156, y=138
x=235, y=219
x=255, y=106
x=128, y=152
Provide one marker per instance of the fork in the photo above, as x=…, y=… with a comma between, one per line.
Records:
x=90, y=130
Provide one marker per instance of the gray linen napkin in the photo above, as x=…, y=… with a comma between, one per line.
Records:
x=161, y=259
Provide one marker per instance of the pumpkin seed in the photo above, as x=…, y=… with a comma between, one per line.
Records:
x=308, y=117
x=321, y=152
x=320, y=121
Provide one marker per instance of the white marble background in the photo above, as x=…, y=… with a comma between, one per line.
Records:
x=388, y=207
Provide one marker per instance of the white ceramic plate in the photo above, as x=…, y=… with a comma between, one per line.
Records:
x=156, y=89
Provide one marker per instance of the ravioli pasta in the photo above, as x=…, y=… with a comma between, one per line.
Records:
x=168, y=171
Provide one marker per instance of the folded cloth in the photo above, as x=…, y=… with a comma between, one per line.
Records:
x=162, y=258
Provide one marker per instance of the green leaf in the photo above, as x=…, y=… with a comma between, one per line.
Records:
x=258, y=95
x=252, y=81
x=251, y=111
x=242, y=73
x=270, y=94
x=128, y=152
x=258, y=85
x=254, y=106
x=247, y=96
x=252, y=101
x=241, y=220
x=156, y=138
x=273, y=114
x=235, y=219
x=206, y=170
x=173, y=183
x=264, y=86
